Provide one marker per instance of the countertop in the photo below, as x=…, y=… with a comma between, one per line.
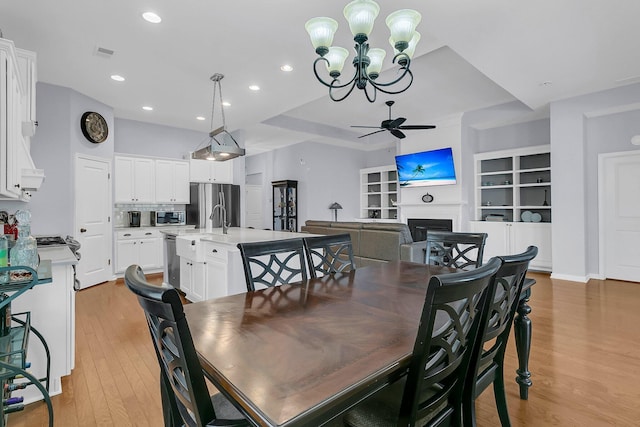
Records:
x=161, y=228
x=244, y=235
x=57, y=254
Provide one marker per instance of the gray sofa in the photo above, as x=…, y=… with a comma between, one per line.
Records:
x=373, y=242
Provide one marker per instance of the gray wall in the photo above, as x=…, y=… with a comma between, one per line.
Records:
x=147, y=139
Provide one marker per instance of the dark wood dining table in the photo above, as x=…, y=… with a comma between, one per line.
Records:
x=301, y=354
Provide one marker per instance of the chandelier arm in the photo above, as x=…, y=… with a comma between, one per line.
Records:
x=353, y=85
x=381, y=87
x=332, y=84
x=375, y=93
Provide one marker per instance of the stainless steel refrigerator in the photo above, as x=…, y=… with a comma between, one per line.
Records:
x=205, y=196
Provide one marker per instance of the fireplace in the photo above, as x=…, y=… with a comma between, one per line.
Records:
x=419, y=227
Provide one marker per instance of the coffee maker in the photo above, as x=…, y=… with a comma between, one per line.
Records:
x=134, y=218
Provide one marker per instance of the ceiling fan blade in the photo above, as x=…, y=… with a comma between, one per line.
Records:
x=414, y=127
x=378, y=131
x=397, y=133
x=397, y=122
x=385, y=124
x=369, y=127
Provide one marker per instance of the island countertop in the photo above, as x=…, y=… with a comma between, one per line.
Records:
x=237, y=235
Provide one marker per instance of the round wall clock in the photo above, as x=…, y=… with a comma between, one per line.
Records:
x=94, y=127
x=427, y=198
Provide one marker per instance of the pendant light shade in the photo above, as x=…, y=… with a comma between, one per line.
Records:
x=402, y=24
x=361, y=14
x=336, y=57
x=411, y=49
x=321, y=31
x=376, y=56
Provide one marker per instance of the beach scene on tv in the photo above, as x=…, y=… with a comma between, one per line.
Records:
x=425, y=168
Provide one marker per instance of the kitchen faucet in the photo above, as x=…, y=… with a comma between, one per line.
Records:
x=223, y=212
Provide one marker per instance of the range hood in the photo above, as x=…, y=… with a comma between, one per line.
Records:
x=222, y=146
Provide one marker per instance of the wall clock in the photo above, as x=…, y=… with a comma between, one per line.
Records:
x=94, y=127
x=427, y=198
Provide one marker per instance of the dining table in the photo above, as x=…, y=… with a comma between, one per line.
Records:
x=302, y=354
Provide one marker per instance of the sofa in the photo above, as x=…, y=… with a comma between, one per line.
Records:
x=373, y=242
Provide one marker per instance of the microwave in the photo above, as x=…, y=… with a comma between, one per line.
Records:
x=160, y=218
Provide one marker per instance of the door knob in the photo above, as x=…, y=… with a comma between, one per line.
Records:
x=83, y=230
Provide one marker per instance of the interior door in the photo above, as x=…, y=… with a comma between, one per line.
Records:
x=620, y=208
x=253, y=206
x=92, y=219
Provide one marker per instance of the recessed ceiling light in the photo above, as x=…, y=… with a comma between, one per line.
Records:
x=151, y=17
x=147, y=108
x=226, y=104
x=547, y=83
x=287, y=68
x=117, y=78
x=254, y=87
x=200, y=118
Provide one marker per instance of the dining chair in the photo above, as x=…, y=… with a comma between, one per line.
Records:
x=454, y=315
x=454, y=249
x=490, y=368
x=185, y=396
x=329, y=254
x=273, y=263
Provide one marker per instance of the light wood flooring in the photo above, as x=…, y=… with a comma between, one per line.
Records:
x=585, y=361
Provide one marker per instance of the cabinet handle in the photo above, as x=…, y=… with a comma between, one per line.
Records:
x=125, y=235
x=17, y=185
x=214, y=251
x=147, y=234
x=83, y=230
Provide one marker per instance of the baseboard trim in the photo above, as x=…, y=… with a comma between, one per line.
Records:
x=570, y=277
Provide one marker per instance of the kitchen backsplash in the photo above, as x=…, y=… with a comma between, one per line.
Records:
x=121, y=213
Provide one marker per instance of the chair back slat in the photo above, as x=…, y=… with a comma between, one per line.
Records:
x=329, y=254
x=453, y=249
x=273, y=263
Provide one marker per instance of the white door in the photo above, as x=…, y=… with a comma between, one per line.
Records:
x=619, y=201
x=92, y=219
x=253, y=206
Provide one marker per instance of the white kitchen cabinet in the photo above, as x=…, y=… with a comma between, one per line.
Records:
x=211, y=171
x=193, y=279
x=172, y=181
x=218, y=269
x=509, y=238
x=27, y=64
x=142, y=247
x=134, y=179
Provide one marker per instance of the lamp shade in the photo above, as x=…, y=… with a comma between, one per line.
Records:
x=412, y=45
x=335, y=205
x=402, y=24
x=376, y=56
x=361, y=14
x=336, y=58
x=321, y=31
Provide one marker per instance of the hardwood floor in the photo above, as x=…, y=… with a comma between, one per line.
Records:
x=585, y=361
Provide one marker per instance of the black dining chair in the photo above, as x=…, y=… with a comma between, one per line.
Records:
x=273, y=263
x=329, y=254
x=185, y=396
x=454, y=249
x=490, y=368
x=453, y=317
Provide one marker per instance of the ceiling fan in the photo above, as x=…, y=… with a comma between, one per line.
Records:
x=394, y=125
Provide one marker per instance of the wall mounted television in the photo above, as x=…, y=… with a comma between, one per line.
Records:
x=434, y=167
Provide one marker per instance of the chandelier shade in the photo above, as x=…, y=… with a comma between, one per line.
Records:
x=368, y=62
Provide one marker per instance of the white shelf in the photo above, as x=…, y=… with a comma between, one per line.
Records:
x=378, y=192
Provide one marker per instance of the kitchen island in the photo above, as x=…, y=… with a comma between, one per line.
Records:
x=210, y=262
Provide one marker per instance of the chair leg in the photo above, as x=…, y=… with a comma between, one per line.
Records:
x=501, y=397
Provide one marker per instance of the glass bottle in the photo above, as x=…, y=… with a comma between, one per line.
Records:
x=4, y=258
x=25, y=251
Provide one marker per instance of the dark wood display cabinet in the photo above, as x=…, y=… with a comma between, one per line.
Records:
x=285, y=205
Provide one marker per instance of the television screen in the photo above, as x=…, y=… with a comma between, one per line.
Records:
x=433, y=167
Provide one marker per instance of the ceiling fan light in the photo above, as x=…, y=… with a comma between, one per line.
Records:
x=402, y=24
x=376, y=57
x=321, y=31
x=411, y=49
x=361, y=15
x=336, y=57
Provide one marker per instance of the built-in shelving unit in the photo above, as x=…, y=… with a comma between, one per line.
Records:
x=379, y=193
x=285, y=205
x=514, y=185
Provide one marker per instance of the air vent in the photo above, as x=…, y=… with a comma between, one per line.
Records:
x=104, y=52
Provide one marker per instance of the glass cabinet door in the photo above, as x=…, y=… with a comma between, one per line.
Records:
x=285, y=205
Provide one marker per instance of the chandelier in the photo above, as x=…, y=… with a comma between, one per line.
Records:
x=361, y=15
x=221, y=144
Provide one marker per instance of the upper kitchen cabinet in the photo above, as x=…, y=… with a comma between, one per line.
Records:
x=134, y=179
x=172, y=181
x=211, y=171
x=18, y=176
